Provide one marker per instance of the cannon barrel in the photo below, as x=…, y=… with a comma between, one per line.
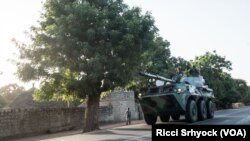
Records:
x=157, y=77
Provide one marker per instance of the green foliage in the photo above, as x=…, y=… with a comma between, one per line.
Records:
x=102, y=44
x=2, y=102
x=83, y=48
x=9, y=92
x=213, y=68
x=241, y=87
x=57, y=88
x=246, y=98
x=211, y=61
x=156, y=61
x=157, y=57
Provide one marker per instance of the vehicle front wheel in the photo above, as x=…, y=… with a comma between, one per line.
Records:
x=202, y=110
x=191, y=111
x=150, y=119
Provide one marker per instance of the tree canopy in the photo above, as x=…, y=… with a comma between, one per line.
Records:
x=83, y=48
x=215, y=69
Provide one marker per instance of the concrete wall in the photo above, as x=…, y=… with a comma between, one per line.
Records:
x=21, y=122
x=106, y=114
x=120, y=101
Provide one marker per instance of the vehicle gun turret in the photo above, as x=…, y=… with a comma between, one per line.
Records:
x=156, y=77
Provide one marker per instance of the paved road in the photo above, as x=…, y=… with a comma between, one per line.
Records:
x=230, y=117
x=142, y=132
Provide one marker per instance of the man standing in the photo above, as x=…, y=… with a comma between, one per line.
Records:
x=194, y=72
x=128, y=117
x=178, y=75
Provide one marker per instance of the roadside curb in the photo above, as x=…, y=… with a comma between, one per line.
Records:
x=119, y=124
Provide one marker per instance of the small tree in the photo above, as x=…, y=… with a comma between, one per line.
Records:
x=10, y=92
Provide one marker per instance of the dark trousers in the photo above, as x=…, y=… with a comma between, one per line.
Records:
x=128, y=121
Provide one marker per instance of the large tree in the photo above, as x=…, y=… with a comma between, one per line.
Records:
x=85, y=47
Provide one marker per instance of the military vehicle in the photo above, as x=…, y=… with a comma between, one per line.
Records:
x=187, y=96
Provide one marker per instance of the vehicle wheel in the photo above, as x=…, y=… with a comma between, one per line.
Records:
x=191, y=111
x=210, y=109
x=175, y=116
x=165, y=117
x=150, y=119
x=202, y=110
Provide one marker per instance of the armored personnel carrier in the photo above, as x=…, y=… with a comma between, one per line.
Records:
x=188, y=96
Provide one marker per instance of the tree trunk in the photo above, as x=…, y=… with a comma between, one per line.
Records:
x=91, y=113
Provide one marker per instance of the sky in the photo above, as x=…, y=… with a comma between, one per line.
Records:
x=192, y=27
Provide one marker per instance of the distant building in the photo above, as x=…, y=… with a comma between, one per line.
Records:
x=25, y=101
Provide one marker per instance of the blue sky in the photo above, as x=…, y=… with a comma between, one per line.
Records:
x=191, y=26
